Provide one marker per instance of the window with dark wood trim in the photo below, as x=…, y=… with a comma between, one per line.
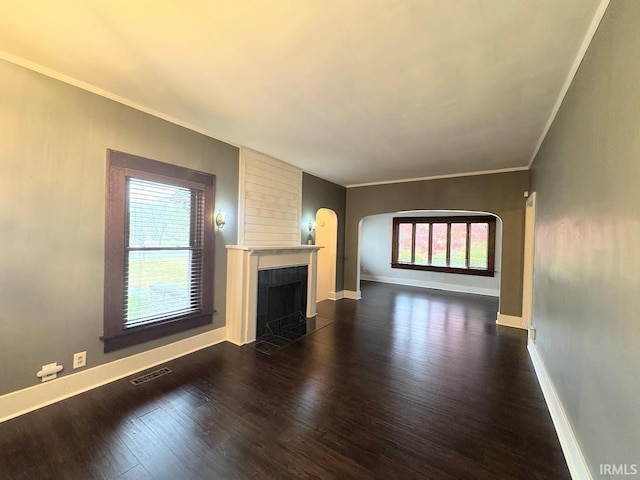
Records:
x=158, y=250
x=464, y=245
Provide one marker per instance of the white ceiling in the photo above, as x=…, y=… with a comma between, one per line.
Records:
x=353, y=91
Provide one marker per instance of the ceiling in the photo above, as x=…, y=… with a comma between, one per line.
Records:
x=353, y=91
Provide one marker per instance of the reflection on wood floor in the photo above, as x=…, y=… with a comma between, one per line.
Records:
x=405, y=383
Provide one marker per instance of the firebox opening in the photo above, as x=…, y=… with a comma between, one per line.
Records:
x=284, y=306
x=282, y=299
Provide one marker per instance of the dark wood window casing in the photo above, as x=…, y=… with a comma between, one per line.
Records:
x=411, y=264
x=121, y=167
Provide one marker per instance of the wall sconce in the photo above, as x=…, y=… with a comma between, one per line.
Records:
x=220, y=221
x=312, y=226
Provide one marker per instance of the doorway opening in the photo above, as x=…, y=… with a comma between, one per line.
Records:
x=326, y=235
x=375, y=257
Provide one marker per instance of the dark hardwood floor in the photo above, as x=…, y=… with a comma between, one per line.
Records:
x=406, y=383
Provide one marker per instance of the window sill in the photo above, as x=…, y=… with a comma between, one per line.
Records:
x=147, y=333
x=432, y=268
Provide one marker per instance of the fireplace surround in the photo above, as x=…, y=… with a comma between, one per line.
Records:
x=243, y=264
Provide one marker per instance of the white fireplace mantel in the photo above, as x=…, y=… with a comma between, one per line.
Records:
x=243, y=263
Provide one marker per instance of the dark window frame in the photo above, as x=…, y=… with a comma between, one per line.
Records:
x=489, y=219
x=119, y=166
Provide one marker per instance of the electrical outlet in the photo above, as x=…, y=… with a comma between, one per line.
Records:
x=79, y=359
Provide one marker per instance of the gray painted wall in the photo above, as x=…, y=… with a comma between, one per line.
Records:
x=587, y=261
x=318, y=193
x=501, y=194
x=53, y=141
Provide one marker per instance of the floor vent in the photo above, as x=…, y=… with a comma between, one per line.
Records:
x=147, y=377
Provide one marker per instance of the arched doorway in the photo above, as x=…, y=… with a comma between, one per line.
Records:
x=327, y=237
x=375, y=247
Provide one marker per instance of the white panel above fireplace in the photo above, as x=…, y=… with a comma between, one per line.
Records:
x=270, y=200
x=243, y=263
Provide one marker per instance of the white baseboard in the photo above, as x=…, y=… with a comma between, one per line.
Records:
x=26, y=400
x=336, y=295
x=510, y=321
x=435, y=285
x=236, y=343
x=352, y=295
x=570, y=447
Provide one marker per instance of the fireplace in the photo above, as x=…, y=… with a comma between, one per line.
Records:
x=290, y=271
x=282, y=299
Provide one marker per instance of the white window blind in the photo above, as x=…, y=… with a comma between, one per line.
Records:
x=163, y=251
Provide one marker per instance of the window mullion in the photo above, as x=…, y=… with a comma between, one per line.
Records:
x=448, y=244
x=468, y=249
x=413, y=243
x=430, y=242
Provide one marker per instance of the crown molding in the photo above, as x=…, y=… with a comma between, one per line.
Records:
x=437, y=177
